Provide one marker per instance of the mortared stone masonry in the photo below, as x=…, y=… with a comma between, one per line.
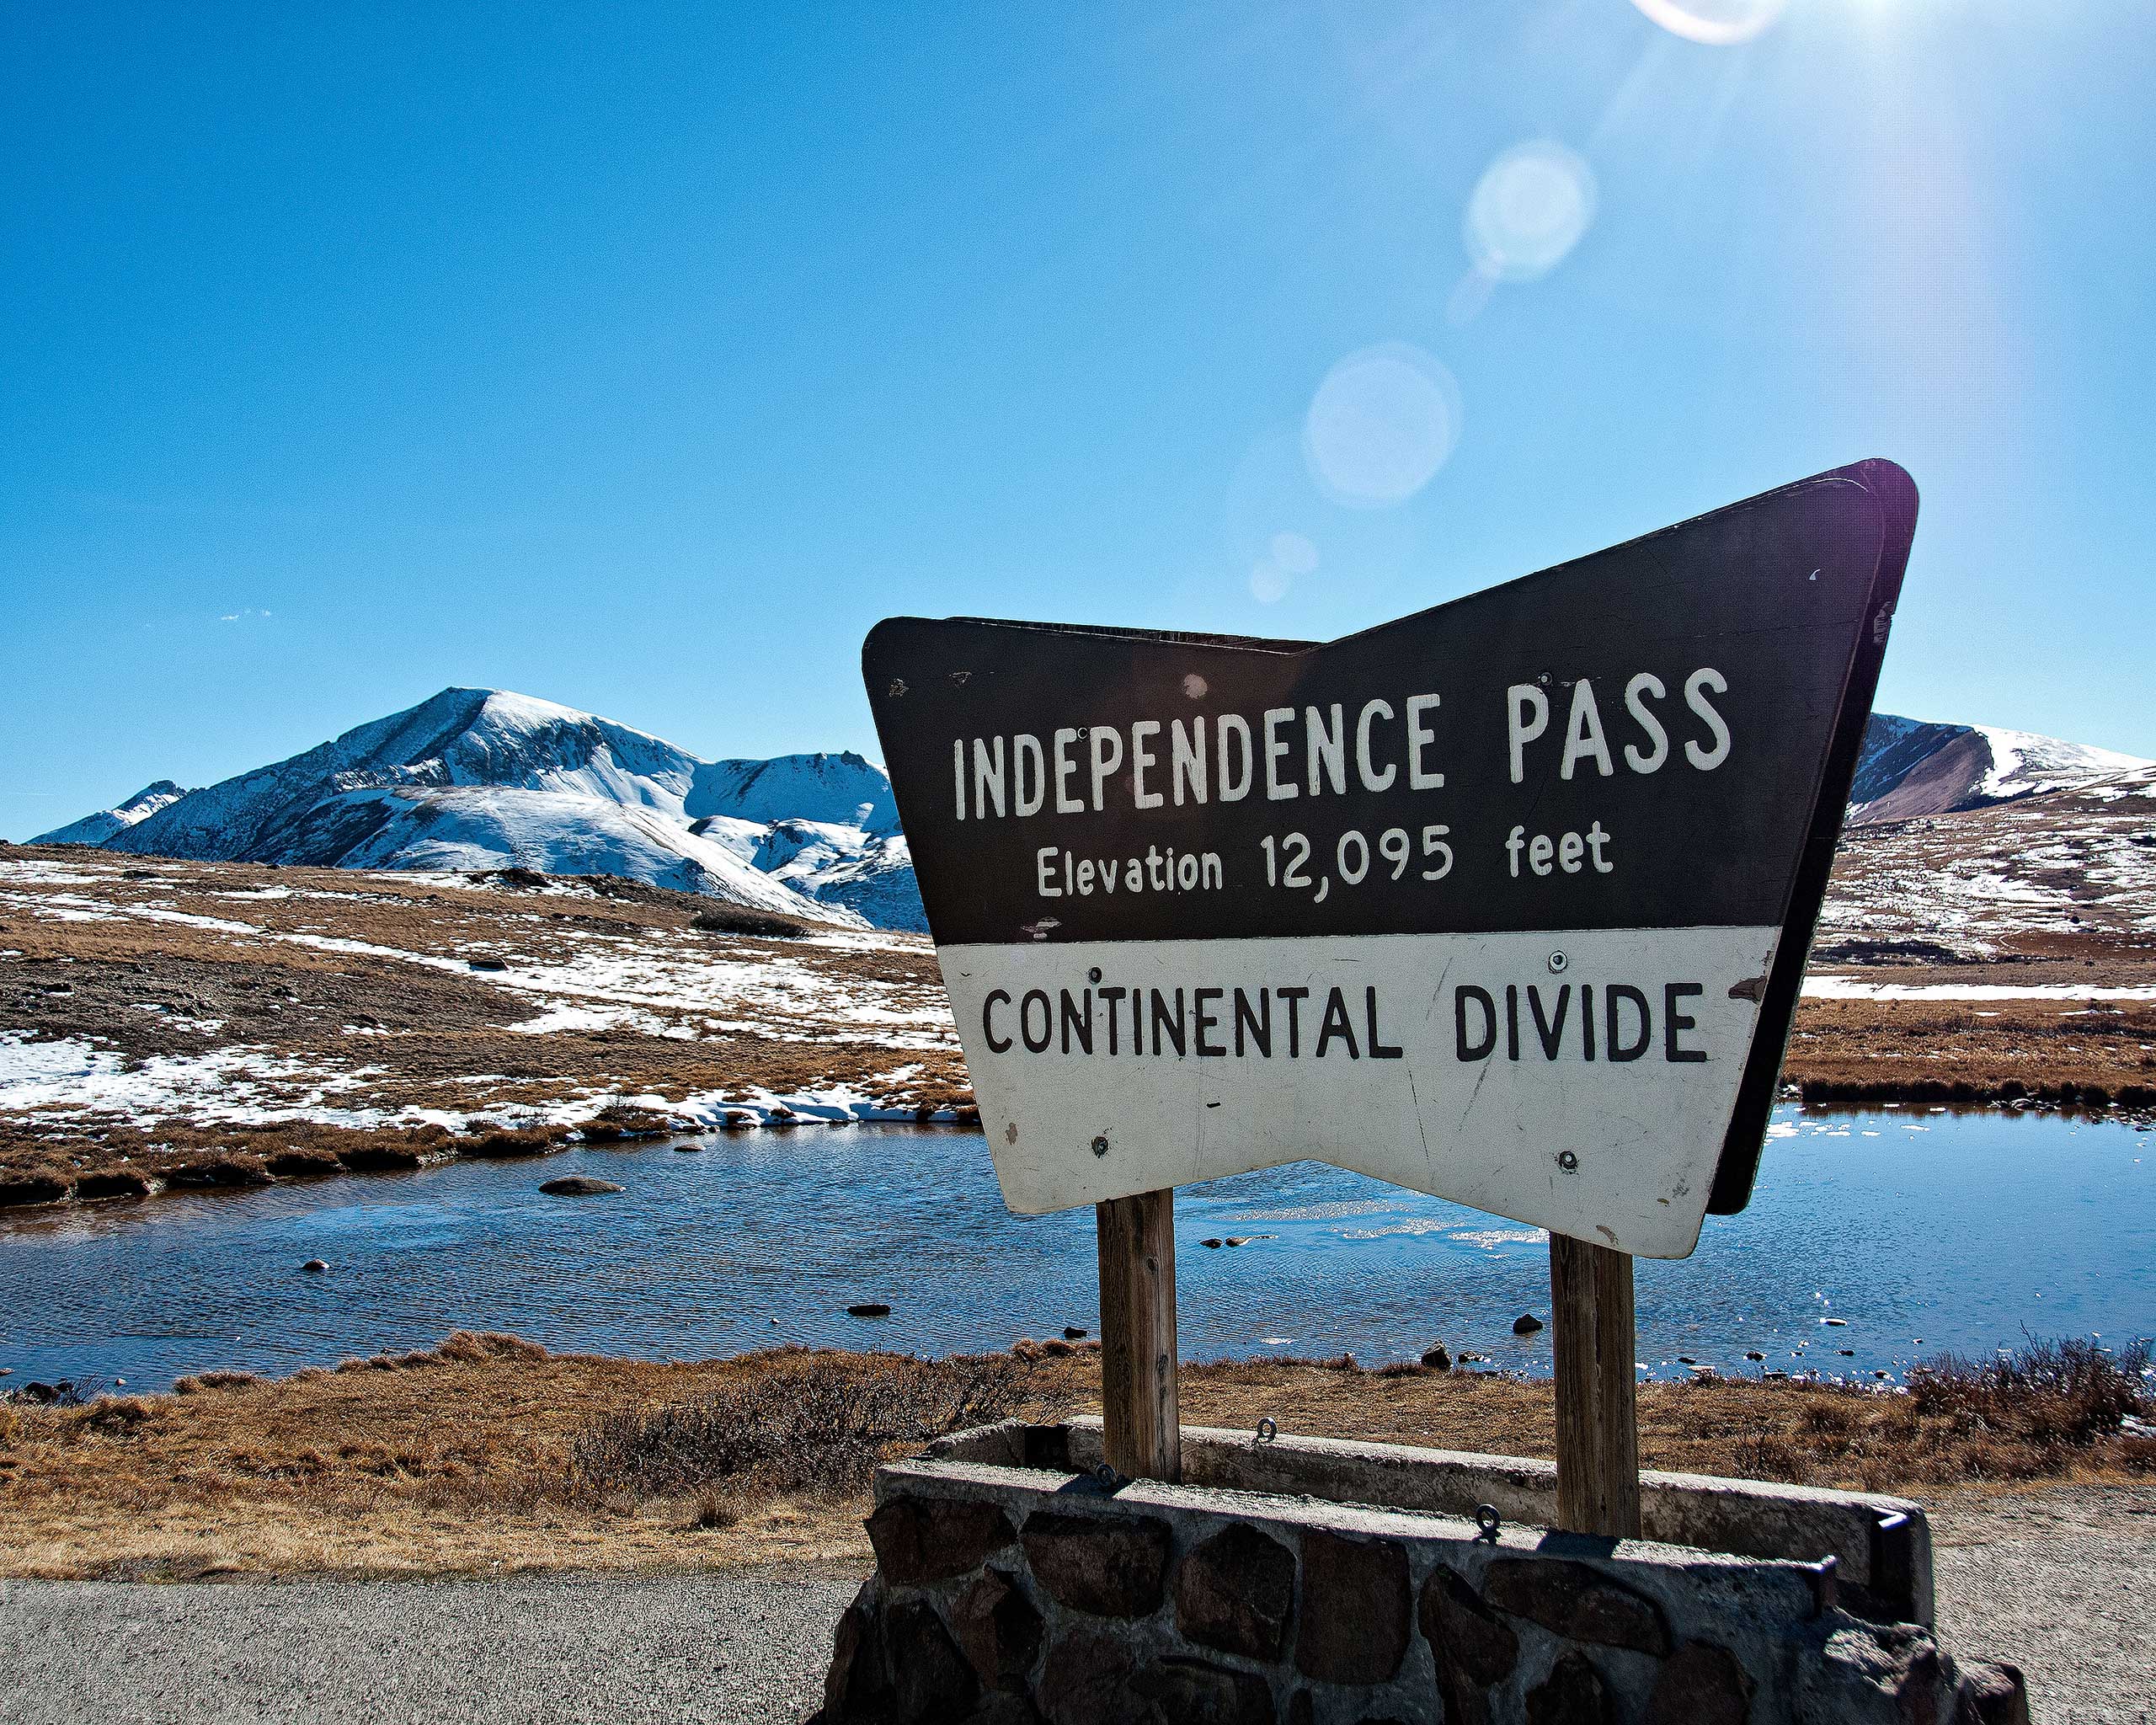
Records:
x=1014, y=1585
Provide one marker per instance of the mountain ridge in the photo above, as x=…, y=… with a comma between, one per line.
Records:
x=474, y=779
x=1912, y=767
x=96, y=829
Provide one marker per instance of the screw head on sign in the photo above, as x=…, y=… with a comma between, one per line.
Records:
x=1101, y=1145
x=1567, y=1161
x=1558, y=961
x=1093, y=975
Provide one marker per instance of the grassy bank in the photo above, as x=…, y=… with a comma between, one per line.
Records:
x=488, y=1453
x=2091, y=1055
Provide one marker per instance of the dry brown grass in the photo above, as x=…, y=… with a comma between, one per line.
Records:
x=811, y=1422
x=488, y=1453
x=2090, y=1054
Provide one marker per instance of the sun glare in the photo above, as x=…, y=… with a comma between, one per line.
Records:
x=1719, y=24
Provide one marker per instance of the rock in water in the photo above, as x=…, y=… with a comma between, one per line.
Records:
x=1071, y=1332
x=1435, y=1357
x=577, y=1186
x=314, y=1266
x=1526, y=1324
x=868, y=1308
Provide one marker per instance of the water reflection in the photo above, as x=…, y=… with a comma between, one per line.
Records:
x=1962, y=1230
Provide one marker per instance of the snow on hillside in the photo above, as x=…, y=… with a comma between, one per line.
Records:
x=475, y=827
x=96, y=829
x=1909, y=768
x=2027, y=766
x=879, y=884
x=837, y=790
x=2046, y=873
x=482, y=778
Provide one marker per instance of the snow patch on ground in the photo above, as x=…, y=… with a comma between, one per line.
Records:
x=1857, y=988
x=230, y=1084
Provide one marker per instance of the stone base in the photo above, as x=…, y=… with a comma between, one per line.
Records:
x=1303, y=1581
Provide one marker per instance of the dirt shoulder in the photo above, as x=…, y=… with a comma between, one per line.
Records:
x=489, y=1453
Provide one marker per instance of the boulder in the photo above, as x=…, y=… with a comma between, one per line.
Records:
x=577, y=1186
x=1083, y=1680
x=920, y=1540
x=1572, y=1694
x=1700, y=1685
x=1472, y=1646
x=1111, y=1569
x=1356, y=1607
x=931, y=1681
x=1576, y=1601
x=1180, y=1689
x=1235, y=1592
x=998, y=1629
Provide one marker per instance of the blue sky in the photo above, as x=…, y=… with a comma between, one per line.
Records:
x=643, y=356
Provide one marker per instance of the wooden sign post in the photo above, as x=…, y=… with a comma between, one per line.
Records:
x=1141, y=1427
x=1591, y=1332
x=1508, y=902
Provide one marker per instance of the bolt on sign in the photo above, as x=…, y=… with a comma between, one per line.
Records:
x=1508, y=902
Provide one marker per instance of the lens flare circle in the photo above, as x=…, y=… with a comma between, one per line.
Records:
x=1718, y=23
x=1382, y=423
x=1269, y=582
x=1294, y=553
x=1529, y=210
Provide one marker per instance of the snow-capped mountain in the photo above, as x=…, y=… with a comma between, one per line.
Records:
x=483, y=778
x=1909, y=768
x=96, y=829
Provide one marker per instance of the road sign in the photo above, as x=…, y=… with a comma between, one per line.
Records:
x=1508, y=902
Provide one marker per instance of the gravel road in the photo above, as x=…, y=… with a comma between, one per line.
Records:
x=2062, y=1582
x=721, y=1646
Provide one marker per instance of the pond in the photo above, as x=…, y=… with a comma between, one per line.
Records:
x=1920, y=1231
